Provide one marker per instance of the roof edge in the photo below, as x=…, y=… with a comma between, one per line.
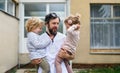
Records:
x=9, y=14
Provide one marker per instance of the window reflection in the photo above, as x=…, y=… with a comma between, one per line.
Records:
x=100, y=11
x=2, y=4
x=116, y=11
x=10, y=7
x=58, y=8
x=35, y=9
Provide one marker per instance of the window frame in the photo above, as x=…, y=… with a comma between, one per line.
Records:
x=103, y=50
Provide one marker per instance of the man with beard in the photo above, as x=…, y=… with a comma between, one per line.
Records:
x=52, y=24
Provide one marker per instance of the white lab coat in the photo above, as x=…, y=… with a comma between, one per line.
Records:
x=52, y=50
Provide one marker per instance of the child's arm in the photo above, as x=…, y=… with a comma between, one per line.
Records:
x=73, y=28
x=39, y=42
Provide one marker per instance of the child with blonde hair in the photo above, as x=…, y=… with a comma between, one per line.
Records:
x=35, y=44
x=67, y=51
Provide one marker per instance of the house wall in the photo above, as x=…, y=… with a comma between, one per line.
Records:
x=8, y=42
x=83, y=54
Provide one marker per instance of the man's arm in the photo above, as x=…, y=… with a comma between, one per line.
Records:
x=64, y=54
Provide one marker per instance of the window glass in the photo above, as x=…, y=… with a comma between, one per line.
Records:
x=117, y=32
x=102, y=11
x=10, y=7
x=58, y=8
x=35, y=9
x=61, y=26
x=116, y=11
x=2, y=4
x=100, y=35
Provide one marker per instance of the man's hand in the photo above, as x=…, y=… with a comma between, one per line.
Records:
x=36, y=61
x=63, y=54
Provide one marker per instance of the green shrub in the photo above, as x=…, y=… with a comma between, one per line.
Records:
x=115, y=69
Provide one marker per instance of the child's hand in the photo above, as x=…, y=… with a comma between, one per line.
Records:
x=78, y=26
x=36, y=61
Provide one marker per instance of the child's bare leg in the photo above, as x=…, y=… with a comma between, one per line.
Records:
x=58, y=61
x=69, y=69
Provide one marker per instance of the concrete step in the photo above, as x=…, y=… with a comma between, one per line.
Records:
x=26, y=71
x=34, y=70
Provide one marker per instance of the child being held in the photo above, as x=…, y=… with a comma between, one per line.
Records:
x=35, y=44
x=68, y=49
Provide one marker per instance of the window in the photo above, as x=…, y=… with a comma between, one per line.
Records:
x=41, y=9
x=105, y=26
x=2, y=4
x=7, y=6
x=10, y=7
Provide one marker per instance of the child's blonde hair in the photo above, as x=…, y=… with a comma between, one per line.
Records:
x=73, y=19
x=33, y=23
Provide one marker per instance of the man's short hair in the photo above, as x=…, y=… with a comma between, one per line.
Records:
x=50, y=16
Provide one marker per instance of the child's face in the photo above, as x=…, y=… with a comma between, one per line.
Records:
x=37, y=30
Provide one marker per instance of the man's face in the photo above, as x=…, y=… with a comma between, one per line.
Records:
x=53, y=26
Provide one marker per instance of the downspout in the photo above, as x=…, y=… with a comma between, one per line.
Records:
x=68, y=2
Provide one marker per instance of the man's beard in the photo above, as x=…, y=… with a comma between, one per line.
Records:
x=52, y=31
